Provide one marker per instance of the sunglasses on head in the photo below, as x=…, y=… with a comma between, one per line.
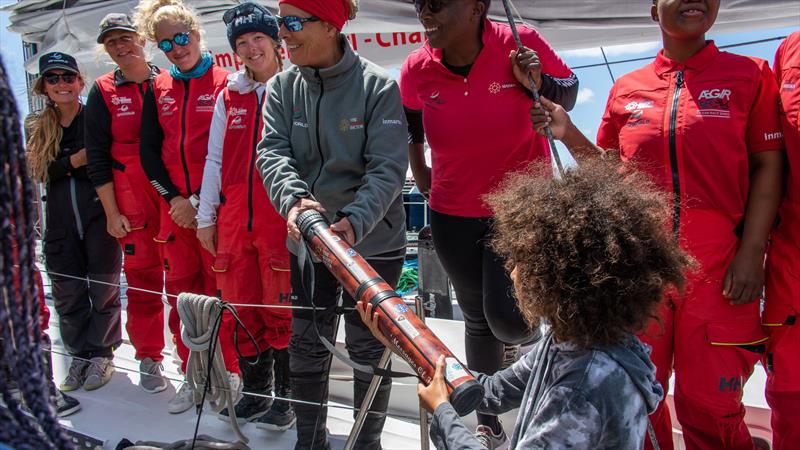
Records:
x=294, y=23
x=52, y=78
x=434, y=6
x=181, y=39
x=245, y=9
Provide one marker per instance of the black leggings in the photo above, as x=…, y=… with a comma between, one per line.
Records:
x=483, y=289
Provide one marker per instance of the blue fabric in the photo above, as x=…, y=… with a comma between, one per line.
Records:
x=199, y=70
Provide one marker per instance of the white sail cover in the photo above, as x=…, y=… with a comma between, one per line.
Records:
x=385, y=30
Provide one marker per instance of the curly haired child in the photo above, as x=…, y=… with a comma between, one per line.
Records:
x=591, y=259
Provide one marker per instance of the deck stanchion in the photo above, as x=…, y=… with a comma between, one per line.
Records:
x=424, y=438
x=367, y=403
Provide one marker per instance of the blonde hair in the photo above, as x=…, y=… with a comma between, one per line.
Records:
x=150, y=13
x=352, y=9
x=44, y=134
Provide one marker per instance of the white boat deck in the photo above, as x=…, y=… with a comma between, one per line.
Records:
x=121, y=409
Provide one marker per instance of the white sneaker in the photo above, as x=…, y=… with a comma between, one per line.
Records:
x=182, y=401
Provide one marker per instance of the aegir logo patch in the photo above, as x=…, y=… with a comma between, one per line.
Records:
x=715, y=103
x=205, y=103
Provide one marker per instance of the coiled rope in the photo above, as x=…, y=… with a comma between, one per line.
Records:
x=206, y=375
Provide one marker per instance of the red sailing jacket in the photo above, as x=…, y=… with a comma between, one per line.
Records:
x=185, y=109
x=692, y=126
x=124, y=103
x=787, y=70
x=783, y=263
x=244, y=199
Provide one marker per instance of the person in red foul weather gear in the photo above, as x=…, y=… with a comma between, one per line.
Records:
x=237, y=223
x=131, y=204
x=176, y=115
x=704, y=125
x=781, y=316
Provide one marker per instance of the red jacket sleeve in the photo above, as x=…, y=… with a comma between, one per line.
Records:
x=608, y=132
x=764, y=124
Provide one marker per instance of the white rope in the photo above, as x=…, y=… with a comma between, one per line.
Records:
x=201, y=318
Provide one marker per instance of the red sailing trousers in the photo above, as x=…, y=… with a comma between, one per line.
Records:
x=139, y=203
x=252, y=270
x=187, y=266
x=711, y=345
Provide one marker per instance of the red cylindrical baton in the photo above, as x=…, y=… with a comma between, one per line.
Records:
x=409, y=336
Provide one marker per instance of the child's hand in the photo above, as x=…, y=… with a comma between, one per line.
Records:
x=430, y=397
x=370, y=319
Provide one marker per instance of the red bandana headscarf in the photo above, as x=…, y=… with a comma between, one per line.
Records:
x=332, y=11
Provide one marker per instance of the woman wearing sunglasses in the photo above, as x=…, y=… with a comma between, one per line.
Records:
x=466, y=79
x=76, y=242
x=244, y=232
x=176, y=116
x=334, y=141
x=114, y=118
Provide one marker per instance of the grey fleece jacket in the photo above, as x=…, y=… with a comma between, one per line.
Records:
x=591, y=399
x=339, y=136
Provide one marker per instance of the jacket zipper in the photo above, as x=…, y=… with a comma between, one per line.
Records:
x=319, y=144
x=673, y=155
x=183, y=139
x=251, y=167
x=74, y=197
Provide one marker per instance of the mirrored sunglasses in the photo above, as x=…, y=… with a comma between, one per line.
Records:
x=294, y=23
x=181, y=39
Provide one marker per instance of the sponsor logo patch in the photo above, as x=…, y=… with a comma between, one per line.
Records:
x=351, y=124
x=636, y=109
x=205, y=103
x=496, y=87
x=715, y=103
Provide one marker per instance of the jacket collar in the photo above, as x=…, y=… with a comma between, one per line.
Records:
x=335, y=75
x=698, y=61
x=119, y=78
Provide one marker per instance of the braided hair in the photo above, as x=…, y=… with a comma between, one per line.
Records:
x=20, y=338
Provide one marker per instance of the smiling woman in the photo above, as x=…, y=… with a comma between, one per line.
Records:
x=252, y=263
x=334, y=141
x=470, y=77
x=76, y=243
x=131, y=204
x=176, y=116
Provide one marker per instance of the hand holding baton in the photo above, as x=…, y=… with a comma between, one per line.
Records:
x=406, y=334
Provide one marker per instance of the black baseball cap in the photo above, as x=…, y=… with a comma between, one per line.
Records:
x=114, y=21
x=57, y=60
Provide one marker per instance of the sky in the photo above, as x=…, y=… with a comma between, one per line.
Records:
x=595, y=83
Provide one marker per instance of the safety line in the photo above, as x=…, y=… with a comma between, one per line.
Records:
x=237, y=305
x=649, y=58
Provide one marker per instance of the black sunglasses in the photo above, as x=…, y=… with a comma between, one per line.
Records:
x=52, y=78
x=434, y=6
x=294, y=23
x=181, y=39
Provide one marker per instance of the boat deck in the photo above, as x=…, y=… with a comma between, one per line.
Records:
x=121, y=409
